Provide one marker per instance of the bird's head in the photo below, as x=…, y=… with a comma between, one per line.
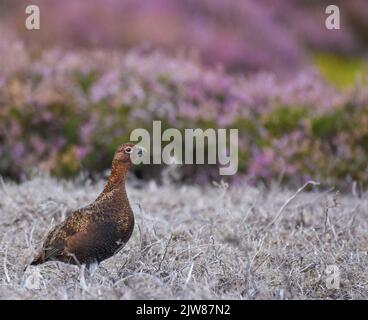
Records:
x=125, y=153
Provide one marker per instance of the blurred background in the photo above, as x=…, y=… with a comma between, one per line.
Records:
x=73, y=90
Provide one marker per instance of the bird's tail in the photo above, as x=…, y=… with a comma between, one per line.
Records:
x=40, y=258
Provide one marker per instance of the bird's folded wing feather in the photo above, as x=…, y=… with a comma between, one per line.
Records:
x=57, y=239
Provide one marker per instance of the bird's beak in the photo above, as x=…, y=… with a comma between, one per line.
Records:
x=140, y=150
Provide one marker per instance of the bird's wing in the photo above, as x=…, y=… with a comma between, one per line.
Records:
x=57, y=239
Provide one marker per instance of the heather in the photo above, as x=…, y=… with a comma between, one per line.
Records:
x=250, y=35
x=66, y=111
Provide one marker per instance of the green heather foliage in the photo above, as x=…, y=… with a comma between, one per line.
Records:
x=66, y=111
x=342, y=71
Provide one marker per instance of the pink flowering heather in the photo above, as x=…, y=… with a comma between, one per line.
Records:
x=250, y=35
x=64, y=111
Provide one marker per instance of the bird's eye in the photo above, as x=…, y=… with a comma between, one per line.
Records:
x=128, y=150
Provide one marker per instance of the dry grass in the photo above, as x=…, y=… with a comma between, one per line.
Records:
x=192, y=243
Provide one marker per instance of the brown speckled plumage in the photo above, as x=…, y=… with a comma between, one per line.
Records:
x=99, y=230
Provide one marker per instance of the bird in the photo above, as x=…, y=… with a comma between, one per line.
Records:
x=99, y=230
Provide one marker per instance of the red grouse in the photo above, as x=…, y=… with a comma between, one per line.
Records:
x=98, y=231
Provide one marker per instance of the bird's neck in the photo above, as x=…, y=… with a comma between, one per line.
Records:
x=116, y=182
